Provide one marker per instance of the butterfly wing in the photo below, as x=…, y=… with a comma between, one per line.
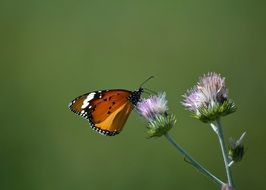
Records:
x=107, y=111
x=114, y=123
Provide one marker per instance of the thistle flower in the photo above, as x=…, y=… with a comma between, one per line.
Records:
x=209, y=100
x=236, y=148
x=154, y=109
x=154, y=105
x=227, y=187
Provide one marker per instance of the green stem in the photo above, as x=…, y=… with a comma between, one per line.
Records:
x=194, y=163
x=217, y=127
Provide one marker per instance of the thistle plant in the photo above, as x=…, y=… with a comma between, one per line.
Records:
x=207, y=101
x=154, y=110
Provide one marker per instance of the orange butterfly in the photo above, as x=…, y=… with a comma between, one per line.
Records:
x=107, y=110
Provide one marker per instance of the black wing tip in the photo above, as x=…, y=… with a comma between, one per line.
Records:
x=84, y=114
x=70, y=107
x=71, y=104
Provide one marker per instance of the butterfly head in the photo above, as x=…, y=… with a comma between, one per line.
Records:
x=135, y=96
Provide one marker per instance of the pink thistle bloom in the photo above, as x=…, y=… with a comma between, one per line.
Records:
x=209, y=98
x=154, y=105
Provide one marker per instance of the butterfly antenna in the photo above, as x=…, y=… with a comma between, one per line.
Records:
x=146, y=81
x=149, y=91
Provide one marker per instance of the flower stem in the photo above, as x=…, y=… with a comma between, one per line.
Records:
x=193, y=162
x=217, y=127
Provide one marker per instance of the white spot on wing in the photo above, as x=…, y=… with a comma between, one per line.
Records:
x=86, y=102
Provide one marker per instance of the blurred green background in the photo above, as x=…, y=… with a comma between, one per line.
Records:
x=53, y=51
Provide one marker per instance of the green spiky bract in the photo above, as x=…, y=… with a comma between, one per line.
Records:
x=209, y=114
x=160, y=125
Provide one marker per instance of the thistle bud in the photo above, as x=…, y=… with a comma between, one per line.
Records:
x=227, y=187
x=236, y=149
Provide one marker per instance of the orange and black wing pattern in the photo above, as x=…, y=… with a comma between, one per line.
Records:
x=107, y=110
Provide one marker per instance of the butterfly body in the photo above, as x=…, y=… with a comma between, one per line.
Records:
x=108, y=110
